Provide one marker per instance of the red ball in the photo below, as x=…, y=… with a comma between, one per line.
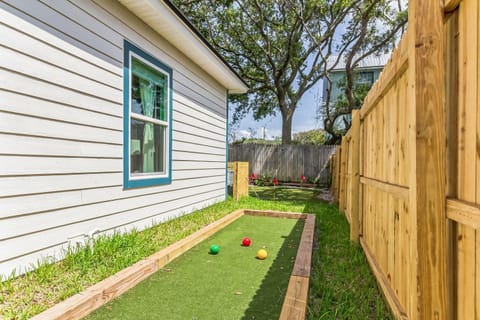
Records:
x=246, y=242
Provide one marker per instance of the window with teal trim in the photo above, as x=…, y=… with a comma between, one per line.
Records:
x=147, y=119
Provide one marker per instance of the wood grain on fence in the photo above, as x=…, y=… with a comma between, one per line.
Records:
x=286, y=162
x=418, y=198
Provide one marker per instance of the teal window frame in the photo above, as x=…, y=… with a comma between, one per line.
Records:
x=144, y=180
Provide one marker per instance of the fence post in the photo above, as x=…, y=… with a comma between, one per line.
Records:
x=427, y=162
x=354, y=154
x=240, y=179
x=338, y=153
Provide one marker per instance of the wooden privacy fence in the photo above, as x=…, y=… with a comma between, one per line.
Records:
x=287, y=162
x=407, y=175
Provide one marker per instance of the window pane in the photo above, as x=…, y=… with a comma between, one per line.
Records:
x=147, y=141
x=365, y=77
x=149, y=91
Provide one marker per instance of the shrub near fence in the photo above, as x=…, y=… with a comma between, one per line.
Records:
x=287, y=162
x=407, y=174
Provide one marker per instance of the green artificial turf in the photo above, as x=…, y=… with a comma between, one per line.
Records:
x=230, y=285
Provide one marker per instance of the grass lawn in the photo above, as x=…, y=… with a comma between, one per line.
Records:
x=342, y=286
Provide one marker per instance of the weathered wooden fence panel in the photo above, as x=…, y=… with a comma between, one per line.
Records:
x=417, y=200
x=286, y=162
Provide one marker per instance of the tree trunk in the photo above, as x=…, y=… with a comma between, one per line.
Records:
x=286, y=128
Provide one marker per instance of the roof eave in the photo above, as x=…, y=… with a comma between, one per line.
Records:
x=359, y=68
x=165, y=19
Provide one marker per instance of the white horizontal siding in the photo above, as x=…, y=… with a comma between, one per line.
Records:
x=192, y=136
x=36, y=203
x=24, y=263
x=25, y=165
x=18, y=246
x=37, y=146
x=26, y=125
x=61, y=128
x=197, y=148
x=190, y=156
x=16, y=226
x=27, y=65
x=201, y=165
x=45, y=184
x=22, y=41
x=29, y=23
x=37, y=107
x=195, y=130
x=42, y=89
x=65, y=28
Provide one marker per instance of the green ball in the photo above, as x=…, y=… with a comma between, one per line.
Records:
x=214, y=249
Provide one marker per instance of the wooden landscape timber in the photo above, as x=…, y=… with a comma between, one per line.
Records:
x=418, y=198
x=296, y=296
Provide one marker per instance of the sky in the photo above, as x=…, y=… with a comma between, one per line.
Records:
x=304, y=119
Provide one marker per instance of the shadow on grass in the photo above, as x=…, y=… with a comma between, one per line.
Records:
x=268, y=300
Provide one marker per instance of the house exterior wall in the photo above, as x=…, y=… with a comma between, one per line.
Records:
x=61, y=129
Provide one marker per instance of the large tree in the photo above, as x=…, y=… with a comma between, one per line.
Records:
x=373, y=27
x=281, y=47
x=278, y=46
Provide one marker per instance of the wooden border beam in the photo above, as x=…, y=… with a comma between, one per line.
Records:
x=296, y=297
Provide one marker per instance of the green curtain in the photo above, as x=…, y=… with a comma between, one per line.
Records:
x=147, y=94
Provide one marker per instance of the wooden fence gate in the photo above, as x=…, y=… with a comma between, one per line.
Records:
x=407, y=175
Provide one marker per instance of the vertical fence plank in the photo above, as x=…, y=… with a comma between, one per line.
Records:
x=338, y=159
x=467, y=151
x=452, y=96
x=477, y=167
x=428, y=55
x=361, y=172
x=343, y=165
x=354, y=206
x=411, y=223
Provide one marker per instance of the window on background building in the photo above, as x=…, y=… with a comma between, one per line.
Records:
x=365, y=77
x=147, y=123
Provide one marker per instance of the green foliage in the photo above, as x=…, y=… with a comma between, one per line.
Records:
x=263, y=180
x=372, y=28
x=256, y=141
x=277, y=46
x=341, y=105
x=313, y=137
